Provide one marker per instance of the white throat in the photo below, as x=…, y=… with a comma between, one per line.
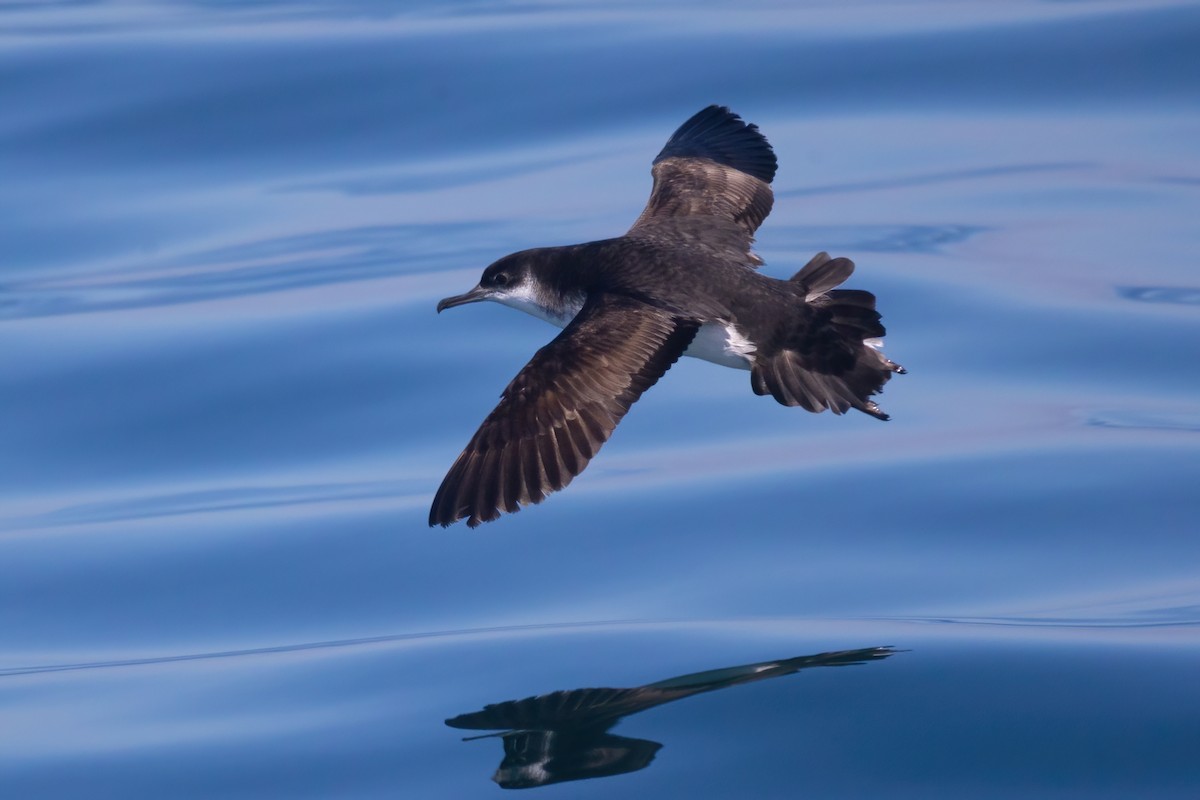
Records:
x=525, y=298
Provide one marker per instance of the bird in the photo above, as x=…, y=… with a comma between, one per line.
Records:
x=564, y=735
x=683, y=280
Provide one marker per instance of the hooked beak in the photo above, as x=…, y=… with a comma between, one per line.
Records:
x=473, y=296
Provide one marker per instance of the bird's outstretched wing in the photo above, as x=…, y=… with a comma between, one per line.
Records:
x=716, y=167
x=559, y=410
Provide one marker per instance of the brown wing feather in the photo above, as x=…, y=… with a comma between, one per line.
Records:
x=558, y=411
x=714, y=166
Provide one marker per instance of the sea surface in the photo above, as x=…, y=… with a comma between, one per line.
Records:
x=226, y=401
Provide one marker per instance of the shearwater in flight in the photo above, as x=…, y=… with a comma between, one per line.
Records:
x=681, y=281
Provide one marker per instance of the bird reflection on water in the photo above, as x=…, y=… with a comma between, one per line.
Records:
x=564, y=736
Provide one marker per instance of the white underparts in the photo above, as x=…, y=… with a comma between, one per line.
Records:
x=722, y=343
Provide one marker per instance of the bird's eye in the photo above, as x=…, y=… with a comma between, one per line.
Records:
x=501, y=279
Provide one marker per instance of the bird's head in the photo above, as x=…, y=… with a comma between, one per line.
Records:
x=507, y=281
x=529, y=281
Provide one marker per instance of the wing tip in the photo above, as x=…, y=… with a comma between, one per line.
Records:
x=718, y=133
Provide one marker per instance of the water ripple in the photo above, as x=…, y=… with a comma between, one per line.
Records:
x=872, y=238
x=1178, y=295
x=1145, y=420
x=240, y=498
x=1183, y=617
x=263, y=266
x=318, y=645
x=422, y=179
x=935, y=178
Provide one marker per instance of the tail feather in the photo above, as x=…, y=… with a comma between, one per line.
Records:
x=823, y=273
x=785, y=377
x=833, y=362
x=852, y=297
x=856, y=322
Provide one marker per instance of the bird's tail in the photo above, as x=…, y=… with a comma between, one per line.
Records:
x=837, y=364
x=823, y=273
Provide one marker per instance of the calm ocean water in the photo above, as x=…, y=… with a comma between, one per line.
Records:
x=226, y=403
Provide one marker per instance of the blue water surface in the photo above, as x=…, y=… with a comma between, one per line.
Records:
x=226, y=402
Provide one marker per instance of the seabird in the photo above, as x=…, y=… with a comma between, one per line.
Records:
x=681, y=281
x=564, y=736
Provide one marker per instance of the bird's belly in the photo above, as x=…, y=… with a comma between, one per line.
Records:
x=722, y=343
